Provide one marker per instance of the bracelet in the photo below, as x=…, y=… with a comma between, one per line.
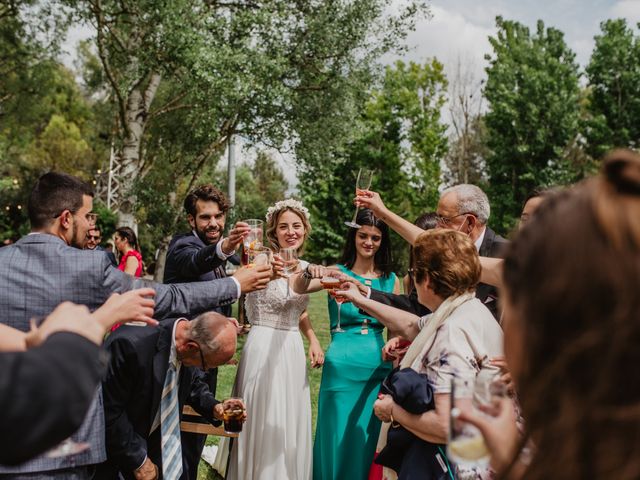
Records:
x=394, y=424
x=306, y=274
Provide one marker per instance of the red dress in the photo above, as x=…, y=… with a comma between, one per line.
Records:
x=123, y=261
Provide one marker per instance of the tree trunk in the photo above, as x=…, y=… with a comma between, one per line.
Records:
x=136, y=115
x=161, y=260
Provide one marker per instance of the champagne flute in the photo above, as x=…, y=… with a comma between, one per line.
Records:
x=332, y=284
x=290, y=259
x=363, y=182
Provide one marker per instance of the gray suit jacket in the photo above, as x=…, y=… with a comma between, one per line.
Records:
x=40, y=271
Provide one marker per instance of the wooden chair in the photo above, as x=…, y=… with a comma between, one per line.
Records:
x=204, y=428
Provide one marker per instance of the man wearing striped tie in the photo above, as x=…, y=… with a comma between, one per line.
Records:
x=151, y=375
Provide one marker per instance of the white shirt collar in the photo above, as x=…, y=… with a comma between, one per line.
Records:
x=173, y=352
x=478, y=242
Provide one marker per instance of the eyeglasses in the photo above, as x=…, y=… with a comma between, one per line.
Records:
x=446, y=221
x=204, y=364
x=91, y=217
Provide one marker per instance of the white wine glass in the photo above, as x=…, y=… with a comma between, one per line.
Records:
x=289, y=258
x=363, y=183
x=474, y=394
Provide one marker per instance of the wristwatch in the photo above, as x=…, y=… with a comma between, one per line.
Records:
x=306, y=274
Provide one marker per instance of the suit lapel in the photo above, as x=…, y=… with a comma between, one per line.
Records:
x=160, y=365
x=487, y=243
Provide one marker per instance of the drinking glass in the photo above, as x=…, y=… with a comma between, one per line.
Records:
x=332, y=284
x=363, y=182
x=466, y=446
x=232, y=415
x=290, y=259
x=253, y=239
x=259, y=256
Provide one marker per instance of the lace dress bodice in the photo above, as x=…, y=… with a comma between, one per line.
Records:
x=272, y=307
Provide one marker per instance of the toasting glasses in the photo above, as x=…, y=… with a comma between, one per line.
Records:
x=289, y=257
x=332, y=284
x=363, y=182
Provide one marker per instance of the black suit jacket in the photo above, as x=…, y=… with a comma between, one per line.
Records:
x=132, y=391
x=493, y=246
x=190, y=260
x=45, y=394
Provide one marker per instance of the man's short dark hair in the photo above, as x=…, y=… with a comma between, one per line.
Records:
x=54, y=193
x=207, y=193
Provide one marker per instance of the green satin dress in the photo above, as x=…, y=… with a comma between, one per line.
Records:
x=347, y=430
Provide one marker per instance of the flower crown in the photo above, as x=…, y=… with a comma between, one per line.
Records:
x=288, y=203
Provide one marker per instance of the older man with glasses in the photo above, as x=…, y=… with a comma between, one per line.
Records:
x=464, y=208
x=145, y=364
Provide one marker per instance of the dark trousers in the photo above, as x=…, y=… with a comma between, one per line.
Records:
x=193, y=443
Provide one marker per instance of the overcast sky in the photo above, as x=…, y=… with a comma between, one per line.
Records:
x=460, y=28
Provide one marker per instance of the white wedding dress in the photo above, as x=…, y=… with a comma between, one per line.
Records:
x=275, y=442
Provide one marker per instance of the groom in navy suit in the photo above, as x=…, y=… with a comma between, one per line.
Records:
x=198, y=256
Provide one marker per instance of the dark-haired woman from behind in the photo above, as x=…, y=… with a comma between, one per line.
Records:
x=126, y=243
x=347, y=431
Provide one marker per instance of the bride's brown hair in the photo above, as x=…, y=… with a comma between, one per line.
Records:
x=572, y=276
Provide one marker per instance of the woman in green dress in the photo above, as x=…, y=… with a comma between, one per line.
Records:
x=347, y=430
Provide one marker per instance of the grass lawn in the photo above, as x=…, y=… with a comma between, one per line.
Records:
x=226, y=374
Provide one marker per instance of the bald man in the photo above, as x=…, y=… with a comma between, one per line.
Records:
x=138, y=370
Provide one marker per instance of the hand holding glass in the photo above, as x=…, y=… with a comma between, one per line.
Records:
x=332, y=284
x=233, y=413
x=253, y=240
x=363, y=182
x=466, y=444
x=290, y=259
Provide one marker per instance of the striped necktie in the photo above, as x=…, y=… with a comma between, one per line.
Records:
x=170, y=426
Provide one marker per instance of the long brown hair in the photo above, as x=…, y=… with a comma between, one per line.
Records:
x=573, y=280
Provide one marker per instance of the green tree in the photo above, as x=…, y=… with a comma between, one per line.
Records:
x=400, y=135
x=263, y=70
x=45, y=124
x=614, y=89
x=533, y=94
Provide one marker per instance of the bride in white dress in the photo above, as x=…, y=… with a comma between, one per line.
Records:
x=272, y=376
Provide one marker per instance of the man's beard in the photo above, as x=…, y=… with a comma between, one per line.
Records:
x=75, y=242
x=202, y=234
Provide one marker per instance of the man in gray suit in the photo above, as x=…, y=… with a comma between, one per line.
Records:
x=48, y=267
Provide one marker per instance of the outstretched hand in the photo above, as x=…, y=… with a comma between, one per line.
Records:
x=253, y=278
x=236, y=235
x=132, y=306
x=372, y=201
x=350, y=292
x=67, y=317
